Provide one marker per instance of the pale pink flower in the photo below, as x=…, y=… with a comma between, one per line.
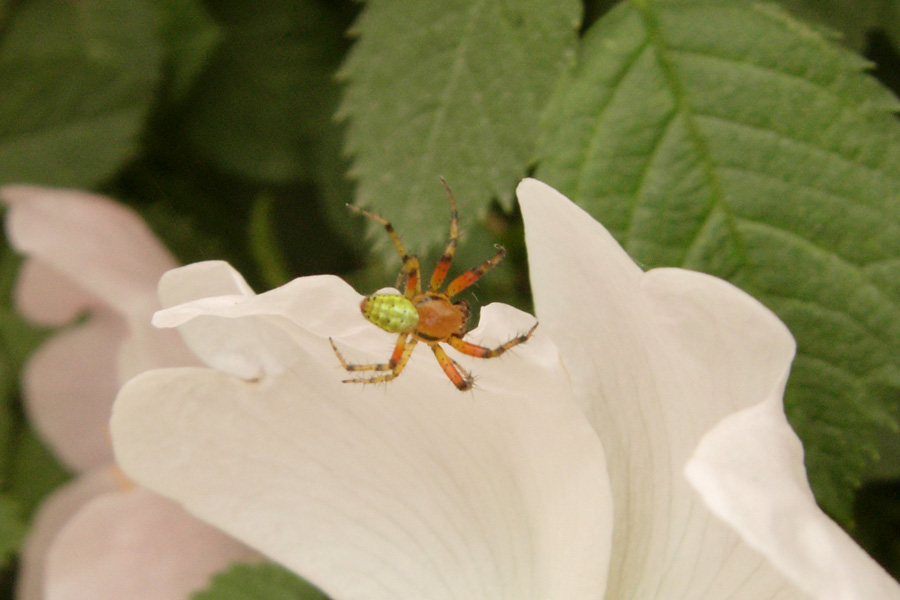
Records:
x=635, y=447
x=98, y=536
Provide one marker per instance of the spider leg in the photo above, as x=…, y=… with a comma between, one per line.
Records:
x=443, y=265
x=473, y=275
x=483, y=352
x=410, y=269
x=460, y=378
x=399, y=358
x=412, y=286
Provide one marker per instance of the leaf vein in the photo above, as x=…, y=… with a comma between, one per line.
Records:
x=682, y=105
x=596, y=137
x=440, y=115
x=880, y=215
x=818, y=249
x=641, y=176
x=696, y=54
x=807, y=146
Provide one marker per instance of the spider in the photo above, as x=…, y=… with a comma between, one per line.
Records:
x=430, y=317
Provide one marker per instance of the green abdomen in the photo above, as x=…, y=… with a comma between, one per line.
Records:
x=392, y=313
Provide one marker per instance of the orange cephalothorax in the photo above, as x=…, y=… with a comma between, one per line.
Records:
x=430, y=317
x=439, y=318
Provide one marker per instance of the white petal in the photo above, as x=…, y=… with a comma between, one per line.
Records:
x=195, y=290
x=52, y=515
x=147, y=347
x=97, y=243
x=134, y=544
x=86, y=252
x=749, y=470
x=406, y=490
x=69, y=386
x=657, y=360
x=321, y=305
x=206, y=279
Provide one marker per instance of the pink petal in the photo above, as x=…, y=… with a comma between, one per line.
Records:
x=136, y=545
x=52, y=515
x=46, y=296
x=101, y=245
x=69, y=385
x=86, y=252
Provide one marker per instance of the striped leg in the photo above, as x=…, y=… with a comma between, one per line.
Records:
x=482, y=352
x=443, y=266
x=460, y=378
x=412, y=287
x=473, y=275
x=399, y=358
x=410, y=271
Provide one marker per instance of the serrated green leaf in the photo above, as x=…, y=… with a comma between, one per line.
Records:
x=77, y=81
x=853, y=19
x=260, y=106
x=12, y=529
x=259, y=582
x=732, y=139
x=449, y=89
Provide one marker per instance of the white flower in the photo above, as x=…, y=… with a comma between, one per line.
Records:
x=413, y=490
x=99, y=536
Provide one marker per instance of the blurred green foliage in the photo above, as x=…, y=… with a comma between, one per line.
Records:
x=239, y=131
x=256, y=582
